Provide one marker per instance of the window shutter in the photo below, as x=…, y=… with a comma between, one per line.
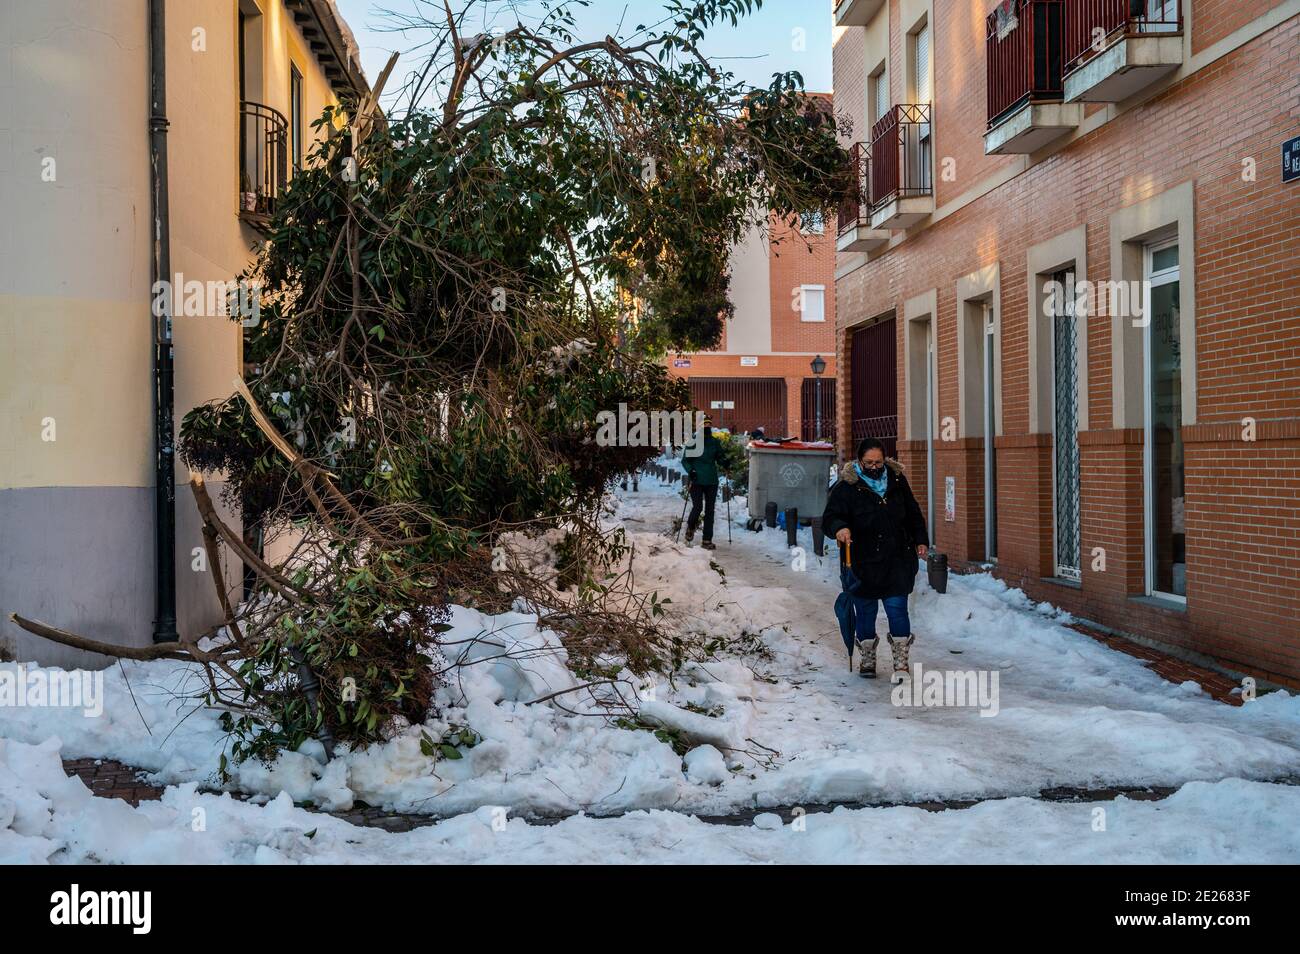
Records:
x=921, y=81
x=882, y=95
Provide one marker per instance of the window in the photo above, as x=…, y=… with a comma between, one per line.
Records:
x=1166, y=548
x=1065, y=425
x=812, y=303
x=921, y=95
x=879, y=94
x=921, y=64
x=1161, y=15
x=295, y=116
x=812, y=222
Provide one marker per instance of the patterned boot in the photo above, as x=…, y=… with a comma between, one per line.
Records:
x=867, y=662
x=900, y=645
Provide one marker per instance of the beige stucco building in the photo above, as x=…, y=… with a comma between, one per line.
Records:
x=244, y=80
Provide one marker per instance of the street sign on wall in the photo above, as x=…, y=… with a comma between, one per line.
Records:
x=749, y=361
x=1291, y=160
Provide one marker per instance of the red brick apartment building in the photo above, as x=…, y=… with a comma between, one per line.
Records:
x=783, y=290
x=1134, y=462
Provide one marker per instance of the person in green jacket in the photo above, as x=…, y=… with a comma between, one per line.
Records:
x=702, y=471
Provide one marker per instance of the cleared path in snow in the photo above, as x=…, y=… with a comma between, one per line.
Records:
x=1072, y=713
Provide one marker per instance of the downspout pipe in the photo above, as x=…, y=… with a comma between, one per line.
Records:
x=164, y=625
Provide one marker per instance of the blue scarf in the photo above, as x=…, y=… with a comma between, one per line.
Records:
x=878, y=484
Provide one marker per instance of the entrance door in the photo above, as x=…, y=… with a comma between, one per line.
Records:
x=930, y=480
x=1065, y=429
x=817, y=410
x=988, y=360
x=742, y=404
x=874, y=382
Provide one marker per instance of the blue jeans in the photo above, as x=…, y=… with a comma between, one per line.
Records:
x=895, y=609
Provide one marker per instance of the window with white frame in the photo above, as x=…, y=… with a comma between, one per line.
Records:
x=812, y=302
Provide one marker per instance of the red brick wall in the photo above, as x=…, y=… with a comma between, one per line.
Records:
x=960, y=107
x=1214, y=19
x=1242, y=519
x=794, y=260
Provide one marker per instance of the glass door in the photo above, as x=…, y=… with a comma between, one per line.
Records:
x=1164, y=483
x=990, y=434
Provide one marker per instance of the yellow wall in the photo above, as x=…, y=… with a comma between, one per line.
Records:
x=74, y=253
x=76, y=514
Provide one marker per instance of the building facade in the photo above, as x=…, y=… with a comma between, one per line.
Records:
x=1068, y=290
x=244, y=81
x=761, y=375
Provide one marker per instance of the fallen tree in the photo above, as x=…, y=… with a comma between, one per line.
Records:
x=449, y=297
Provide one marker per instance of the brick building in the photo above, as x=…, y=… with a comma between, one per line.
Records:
x=1068, y=290
x=783, y=289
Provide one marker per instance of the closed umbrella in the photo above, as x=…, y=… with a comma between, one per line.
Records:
x=844, y=611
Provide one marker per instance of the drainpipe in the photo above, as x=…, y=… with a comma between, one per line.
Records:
x=164, y=626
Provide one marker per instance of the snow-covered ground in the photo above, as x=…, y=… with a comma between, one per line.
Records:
x=46, y=816
x=790, y=725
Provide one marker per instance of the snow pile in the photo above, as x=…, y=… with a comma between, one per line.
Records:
x=48, y=817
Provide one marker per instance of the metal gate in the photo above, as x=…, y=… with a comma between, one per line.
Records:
x=817, y=410
x=1065, y=395
x=873, y=363
x=742, y=404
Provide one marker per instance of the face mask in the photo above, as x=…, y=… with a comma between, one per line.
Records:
x=708, y=432
x=875, y=471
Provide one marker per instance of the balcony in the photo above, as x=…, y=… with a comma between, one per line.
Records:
x=1024, y=44
x=902, y=192
x=855, y=231
x=1115, y=48
x=263, y=162
x=856, y=12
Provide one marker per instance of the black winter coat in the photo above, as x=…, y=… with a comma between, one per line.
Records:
x=885, y=531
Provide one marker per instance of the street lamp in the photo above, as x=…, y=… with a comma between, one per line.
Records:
x=818, y=366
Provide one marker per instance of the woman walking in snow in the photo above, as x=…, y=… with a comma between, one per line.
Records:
x=881, y=532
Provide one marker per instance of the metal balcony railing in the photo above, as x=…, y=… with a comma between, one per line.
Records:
x=263, y=159
x=900, y=154
x=855, y=205
x=1091, y=25
x=1024, y=44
